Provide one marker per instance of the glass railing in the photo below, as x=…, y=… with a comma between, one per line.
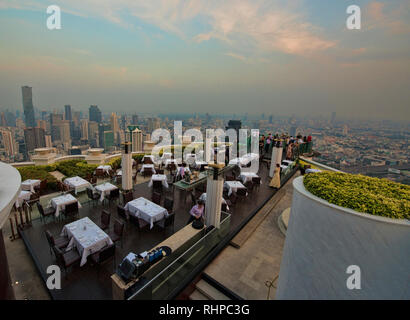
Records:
x=166, y=280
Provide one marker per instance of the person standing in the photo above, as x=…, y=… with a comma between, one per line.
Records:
x=275, y=182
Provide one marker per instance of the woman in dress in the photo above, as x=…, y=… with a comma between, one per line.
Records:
x=275, y=182
x=197, y=211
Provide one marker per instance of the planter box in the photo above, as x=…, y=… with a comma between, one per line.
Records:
x=323, y=239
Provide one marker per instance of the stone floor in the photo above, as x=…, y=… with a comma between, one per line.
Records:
x=245, y=271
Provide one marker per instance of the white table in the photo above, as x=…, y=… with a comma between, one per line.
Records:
x=29, y=184
x=146, y=166
x=190, y=158
x=312, y=170
x=146, y=210
x=234, y=186
x=203, y=198
x=60, y=202
x=105, y=189
x=105, y=168
x=24, y=195
x=166, y=156
x=159, y=177
x=169, y=161
x=247, y=176
x=86, y=236
x=245, y=159
x=77, y=183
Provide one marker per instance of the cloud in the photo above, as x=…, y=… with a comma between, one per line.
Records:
x=382, y=16
x=262, y=25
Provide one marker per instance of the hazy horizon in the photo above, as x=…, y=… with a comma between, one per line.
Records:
x=220, y=57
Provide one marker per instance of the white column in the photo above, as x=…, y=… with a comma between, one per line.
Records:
x=127, y=167
x=213, y=203
x=208, y=149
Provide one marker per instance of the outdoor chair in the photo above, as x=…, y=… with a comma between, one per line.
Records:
x=105, y=254
x=127, y=197
x=45, y=213
x=59, y=242
x=167, y=221
x=117, y=233
x=156, y=198
x=92, y=196
x=66, y=259
x=105, y=220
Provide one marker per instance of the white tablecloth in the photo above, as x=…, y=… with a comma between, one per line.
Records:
x=105, y=189
x=60, y=202
x=146, y=210
x=247, y=176
x=87, y=241
x=190, y=158
x=245, y=159
x=203, y=198
x=233, y=186
x=77, y=183
x=166, y=156
x=312, y=170
x=28, y=185
x=159, y=177
x=105, y=168
x=24, y=195
x=169, y=161
x=145, y=166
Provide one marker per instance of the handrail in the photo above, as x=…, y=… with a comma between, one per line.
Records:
x=178, y=259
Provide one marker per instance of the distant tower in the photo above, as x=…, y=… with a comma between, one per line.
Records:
x=67, y=112
x=114, y=122
x=28, y=106
x=333, y=118
x=95, y=114
x=136, y=140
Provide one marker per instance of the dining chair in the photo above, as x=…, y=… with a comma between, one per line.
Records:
x=118, y=232
x=59, y=242
x=105, y=219
x=66, y=259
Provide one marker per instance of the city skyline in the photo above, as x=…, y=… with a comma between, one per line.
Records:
x=187, y=57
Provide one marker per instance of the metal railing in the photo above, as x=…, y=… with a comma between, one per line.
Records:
x=164, y=282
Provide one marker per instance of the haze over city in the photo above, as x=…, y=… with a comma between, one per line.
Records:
x=253, y=57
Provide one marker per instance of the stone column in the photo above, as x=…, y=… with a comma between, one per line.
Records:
x=208, y=149
x=279, y=152
x=213, y=203
x=126, y=167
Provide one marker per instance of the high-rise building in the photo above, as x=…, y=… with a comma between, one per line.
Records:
x=137, y=140
x=95, y=114
x=114, y=122
x=55, y=123
x=67, y=112
x=28, y=106
x=93, y=134
x=49, y=144
x=42, y=124
x=3, y=121
x=8, y=141
x=333, y=118
x=84, y=129
x=35, y=138
x=65, y=135
x=135, y=119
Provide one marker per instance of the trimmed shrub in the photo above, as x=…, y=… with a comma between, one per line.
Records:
x=365, y=194
x=39, y=173
x=71, y=168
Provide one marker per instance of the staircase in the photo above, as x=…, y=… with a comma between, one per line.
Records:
x=206, y=291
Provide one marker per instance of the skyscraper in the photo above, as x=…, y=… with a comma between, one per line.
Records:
x=28, y=106
x=114, y=122
x=95, y=114
x=67, y=112
x=8, y=141
x=35, y=138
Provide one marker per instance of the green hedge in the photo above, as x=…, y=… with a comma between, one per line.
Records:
x=39, y=173
x=71, y=168
x=370, y=195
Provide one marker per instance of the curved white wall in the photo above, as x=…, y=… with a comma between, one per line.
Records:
x=10, y=181
x=322, y=240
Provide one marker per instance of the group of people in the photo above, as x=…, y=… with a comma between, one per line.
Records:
x=284, y=140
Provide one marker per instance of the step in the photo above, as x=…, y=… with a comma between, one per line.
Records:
x=209, y=291
x=197, y=295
